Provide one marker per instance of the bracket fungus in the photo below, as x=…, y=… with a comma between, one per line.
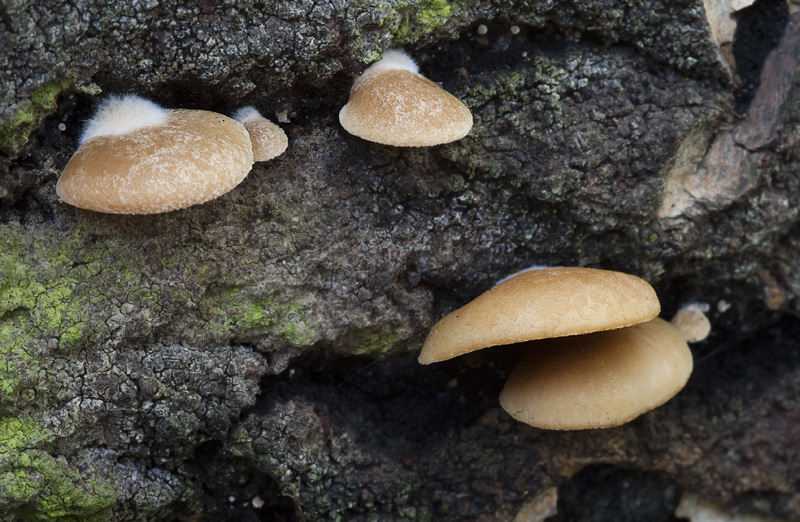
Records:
x=393, y=104
x=597, y=380
x=542, y=303
x=596, y=355
x=136, y=157
x=268, y=140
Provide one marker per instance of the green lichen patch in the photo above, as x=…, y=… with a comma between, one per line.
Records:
x=17, y=435
x=37, y=293
x=18, y=295
x=420, y=18
x=15, y=133
x=235, y=314
x=405, y=22
x=372, y=343
x=20, y=371
x=50, y=305
x=297, y=324
x=36, y=486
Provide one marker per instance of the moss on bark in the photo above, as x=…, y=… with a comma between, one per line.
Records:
x=36, y=485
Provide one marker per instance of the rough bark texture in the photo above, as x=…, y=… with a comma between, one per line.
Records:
x=156, y=367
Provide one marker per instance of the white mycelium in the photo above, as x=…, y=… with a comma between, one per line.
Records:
x=394, y=59
x=123, y=114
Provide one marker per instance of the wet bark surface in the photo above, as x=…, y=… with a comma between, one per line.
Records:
x=264, y=344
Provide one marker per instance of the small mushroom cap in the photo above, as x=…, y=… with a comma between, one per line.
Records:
x=268, y=140
x=391, y=103
x=597, y=380
x=542, y=303
x=190, y=158
x=692, y=323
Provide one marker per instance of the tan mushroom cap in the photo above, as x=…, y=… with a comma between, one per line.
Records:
x=268, y=140
x=597, y=380
x=542, y=303
x=400, y=107
x=193, y=157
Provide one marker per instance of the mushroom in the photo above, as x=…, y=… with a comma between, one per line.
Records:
x=136, y=157
x=595, y=353
x=391, y=103
x=542, y=303
x=692, y=323
x=268, y=140
x=597, y=380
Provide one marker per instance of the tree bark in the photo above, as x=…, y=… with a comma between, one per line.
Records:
x=255, y=356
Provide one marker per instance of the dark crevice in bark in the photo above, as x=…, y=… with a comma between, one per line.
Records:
x=395, y=401
x=248, y=495
x=758, y=31
x=588, y=495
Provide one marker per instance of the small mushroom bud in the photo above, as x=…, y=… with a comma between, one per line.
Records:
x=692, y=323
x=391, y=103
x=268, y=140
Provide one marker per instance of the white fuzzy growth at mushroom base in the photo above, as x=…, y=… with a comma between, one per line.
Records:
x=393, y=59
x=119, y=115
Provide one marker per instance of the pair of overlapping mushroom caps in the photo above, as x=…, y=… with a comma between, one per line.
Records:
x=136, y=157
x=596, y=355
